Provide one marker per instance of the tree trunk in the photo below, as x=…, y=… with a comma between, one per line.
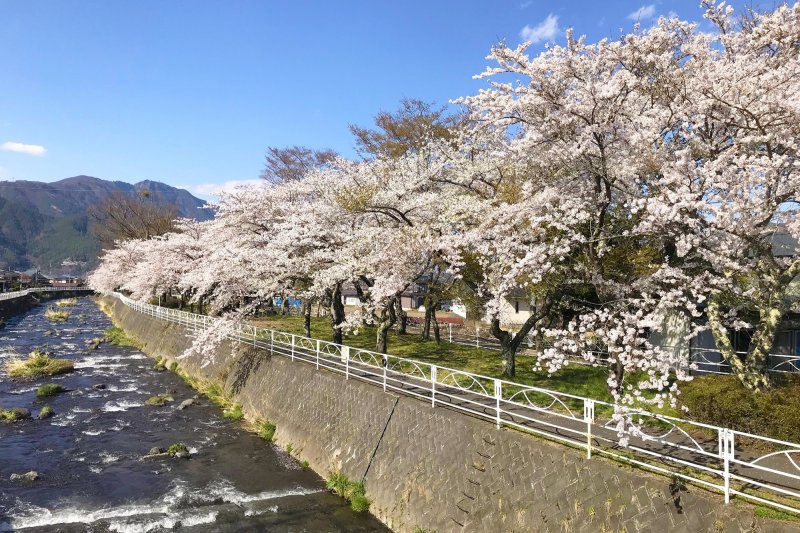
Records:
x=307, y=317
x=426, y=329
x=402, y=317
x=387, y=321
x=435, y=324
x=337, y=313
x=508, y=348
x=510, y=343
x=752, y=371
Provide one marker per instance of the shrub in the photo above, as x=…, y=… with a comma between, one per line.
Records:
x=38, y=364
x=724, y=401
x=161, y=399
x=51, y=389
x=233, y=412
x=46, y=412
x=56, y=315
x=177, y=448
x=173, y=366
x=352, y=491
x=67, y=302
x=14, y=414
x=266, y=430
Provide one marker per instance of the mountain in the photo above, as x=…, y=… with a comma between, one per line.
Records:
x=43, y=224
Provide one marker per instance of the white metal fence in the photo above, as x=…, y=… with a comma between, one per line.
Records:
x=19, y=294
x=754, y=467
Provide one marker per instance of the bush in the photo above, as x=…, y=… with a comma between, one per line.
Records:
x=352, y=491
x=266, y=430
x=67, y=302
x=51, y=389
x=56, y=315
x=38, y=364
x=233, y=412
x=177, y=448
x=724, y=401
x=46, y=412
x=161, y=399
x=14, y=414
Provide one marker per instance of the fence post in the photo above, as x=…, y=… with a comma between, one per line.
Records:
x=588, y=417
x=433, y=385
x=498, y=395
x=477, y=338
x=317, y=354
x=272, y=341
x=346, y=357
x=724, y=442
x=450, y=332
x=292, y=347
x=385, y=364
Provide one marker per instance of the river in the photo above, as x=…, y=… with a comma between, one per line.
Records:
x=89, y=455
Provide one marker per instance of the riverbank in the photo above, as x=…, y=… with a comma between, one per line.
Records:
x=435, y=469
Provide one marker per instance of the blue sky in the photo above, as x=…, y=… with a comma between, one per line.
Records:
x=192, y=92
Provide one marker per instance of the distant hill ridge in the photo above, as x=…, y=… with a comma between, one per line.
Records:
x=42, y=224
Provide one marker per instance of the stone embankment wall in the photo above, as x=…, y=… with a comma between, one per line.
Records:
x=437, y=469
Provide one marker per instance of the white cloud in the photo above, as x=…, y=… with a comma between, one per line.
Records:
x=525, y=5
x=546, y=29
x=643, y=13
x=213, y=190
x=30, y=149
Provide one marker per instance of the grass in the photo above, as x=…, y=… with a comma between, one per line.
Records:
x=580, y=380
x=14, y=414
x=118, y=337
x=266, y=430
x=216, y=395
x=38, y=364
x=56, y=315
x=352, y=491
x=159, y=400
x=177, y=448
x=51, y=389
x=46, y=412
x=762, y=511
x=67, y=302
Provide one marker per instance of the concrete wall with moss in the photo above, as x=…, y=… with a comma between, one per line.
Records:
x=436, y=469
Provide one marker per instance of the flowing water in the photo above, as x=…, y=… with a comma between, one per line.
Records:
x=89, y=455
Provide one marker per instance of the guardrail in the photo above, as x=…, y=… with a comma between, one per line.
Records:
x=19, y=294
x=731, y=462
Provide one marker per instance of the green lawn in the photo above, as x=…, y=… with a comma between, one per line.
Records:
x=579, y=380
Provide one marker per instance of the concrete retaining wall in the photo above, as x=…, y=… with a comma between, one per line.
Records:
x=437, y=469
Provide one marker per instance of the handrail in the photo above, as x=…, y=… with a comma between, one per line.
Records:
x=707, y=455
x=25, y=292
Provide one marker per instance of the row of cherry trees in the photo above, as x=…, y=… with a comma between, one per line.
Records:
x=615, y=184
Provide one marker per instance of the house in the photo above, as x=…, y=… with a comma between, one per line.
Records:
x=33, y=278
x=9, y=280
x=702, y=349
x=66, y=281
